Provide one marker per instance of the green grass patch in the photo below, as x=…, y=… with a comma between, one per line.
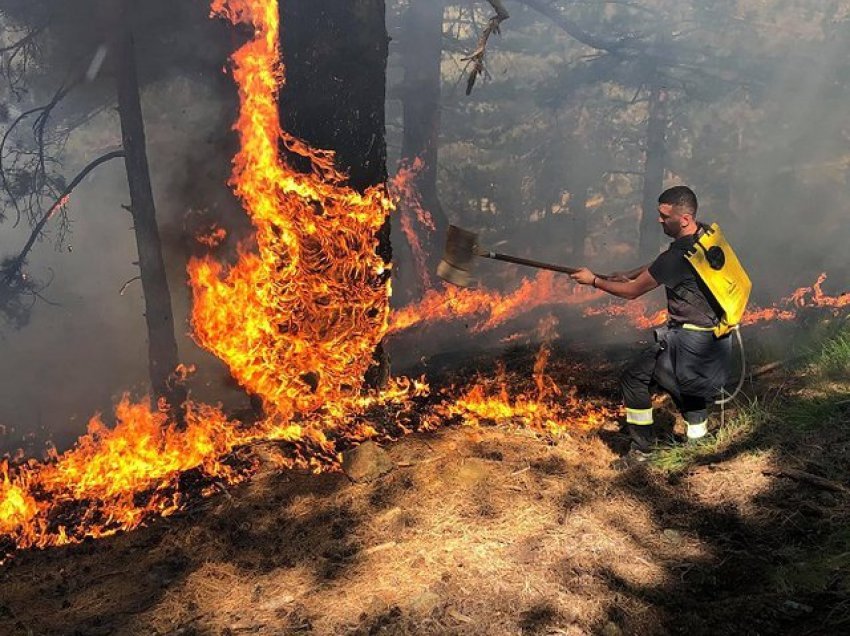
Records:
x=815, y=570
x=813, y=412
x=741, y=427
x=832, y=358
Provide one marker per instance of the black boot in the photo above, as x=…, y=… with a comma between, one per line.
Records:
x=643, y=437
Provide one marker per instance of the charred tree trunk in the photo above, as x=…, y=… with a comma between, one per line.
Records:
x=162, y=346
x=653, y=180
x=421, y=51
x=336, y=61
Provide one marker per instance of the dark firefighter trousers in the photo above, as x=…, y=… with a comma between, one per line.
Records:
x=691, y=365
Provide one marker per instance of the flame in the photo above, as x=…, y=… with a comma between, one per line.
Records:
x=491, y=308
x=297, y=319
x=638, y=313
x=212, y=237
x=803, y=298
x=814, y=296
x=549, y=412
x=545, y=384
x=405, y=190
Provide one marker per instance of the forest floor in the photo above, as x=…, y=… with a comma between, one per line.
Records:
x=494, y=531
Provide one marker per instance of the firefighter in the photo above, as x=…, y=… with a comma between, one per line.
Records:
x=689, y=360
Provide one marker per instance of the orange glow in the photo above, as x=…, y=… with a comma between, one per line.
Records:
x=410, y=204
x=212, y=237
x=491, y=308
x=637, y=313
x=298, y=318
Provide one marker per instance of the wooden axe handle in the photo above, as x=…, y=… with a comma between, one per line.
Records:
x=524, y=261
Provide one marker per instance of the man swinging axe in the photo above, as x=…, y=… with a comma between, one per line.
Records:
x=692, y=352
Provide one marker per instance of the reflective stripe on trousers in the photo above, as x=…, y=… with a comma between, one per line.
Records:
x=640, y=417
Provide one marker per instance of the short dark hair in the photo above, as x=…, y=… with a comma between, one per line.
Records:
x=680, y=197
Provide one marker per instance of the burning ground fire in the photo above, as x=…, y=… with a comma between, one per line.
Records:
x=296, y=319
x=489, y=309
x=546, y=409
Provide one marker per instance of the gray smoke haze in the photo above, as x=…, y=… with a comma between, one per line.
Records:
x=757, y=126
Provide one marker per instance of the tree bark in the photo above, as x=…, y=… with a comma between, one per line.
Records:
x=336, y=61
x=653, y=180
x=421, y=52
x=162, y=345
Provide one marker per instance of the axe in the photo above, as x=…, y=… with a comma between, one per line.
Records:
x=462, y=247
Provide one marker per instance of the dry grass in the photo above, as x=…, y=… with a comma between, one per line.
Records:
x=476, y=531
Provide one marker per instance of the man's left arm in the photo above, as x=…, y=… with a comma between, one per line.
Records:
x=629, y=290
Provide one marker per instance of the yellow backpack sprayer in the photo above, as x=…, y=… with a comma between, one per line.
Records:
x=715, y=263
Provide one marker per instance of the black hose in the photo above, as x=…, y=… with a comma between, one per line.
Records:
x=725, y=400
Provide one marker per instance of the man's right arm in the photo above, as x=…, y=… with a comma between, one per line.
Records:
x=624, y=277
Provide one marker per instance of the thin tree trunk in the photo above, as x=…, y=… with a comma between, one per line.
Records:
x=162, y=346
x=421, y=52
x=653, y=180
x=336, y=61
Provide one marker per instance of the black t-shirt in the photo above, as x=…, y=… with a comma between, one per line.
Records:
x=688, y=299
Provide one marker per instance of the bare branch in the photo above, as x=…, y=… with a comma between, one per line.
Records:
x=12, y=267
x=477, y=57
x=127, y=284
x=36, y=166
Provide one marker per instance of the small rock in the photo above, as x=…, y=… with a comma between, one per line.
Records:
x=794, y=606
x=366, y=463
x=612, y=629
x=425, y=602
x=673, y=536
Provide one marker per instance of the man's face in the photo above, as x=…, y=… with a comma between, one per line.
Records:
x=671, y=219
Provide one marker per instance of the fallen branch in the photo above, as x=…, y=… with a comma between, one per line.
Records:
x=808, y=478
x=477, y=58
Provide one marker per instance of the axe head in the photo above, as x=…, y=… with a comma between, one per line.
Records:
x=458, y=260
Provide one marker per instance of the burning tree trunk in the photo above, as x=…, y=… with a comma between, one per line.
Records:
x=336, y=59
x=162, y=346
x=421, y=51
x=653, y=180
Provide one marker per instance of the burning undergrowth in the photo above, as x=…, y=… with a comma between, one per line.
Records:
x=74, y=496
x=297, y=320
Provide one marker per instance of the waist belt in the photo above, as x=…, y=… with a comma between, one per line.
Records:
x=691, y=327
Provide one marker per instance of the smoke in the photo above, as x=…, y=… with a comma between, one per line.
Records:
x=544, y=160
x=754, y=123
x=85, y=342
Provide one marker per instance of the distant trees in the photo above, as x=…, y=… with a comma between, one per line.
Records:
x=646, y=92
x=100, y=35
